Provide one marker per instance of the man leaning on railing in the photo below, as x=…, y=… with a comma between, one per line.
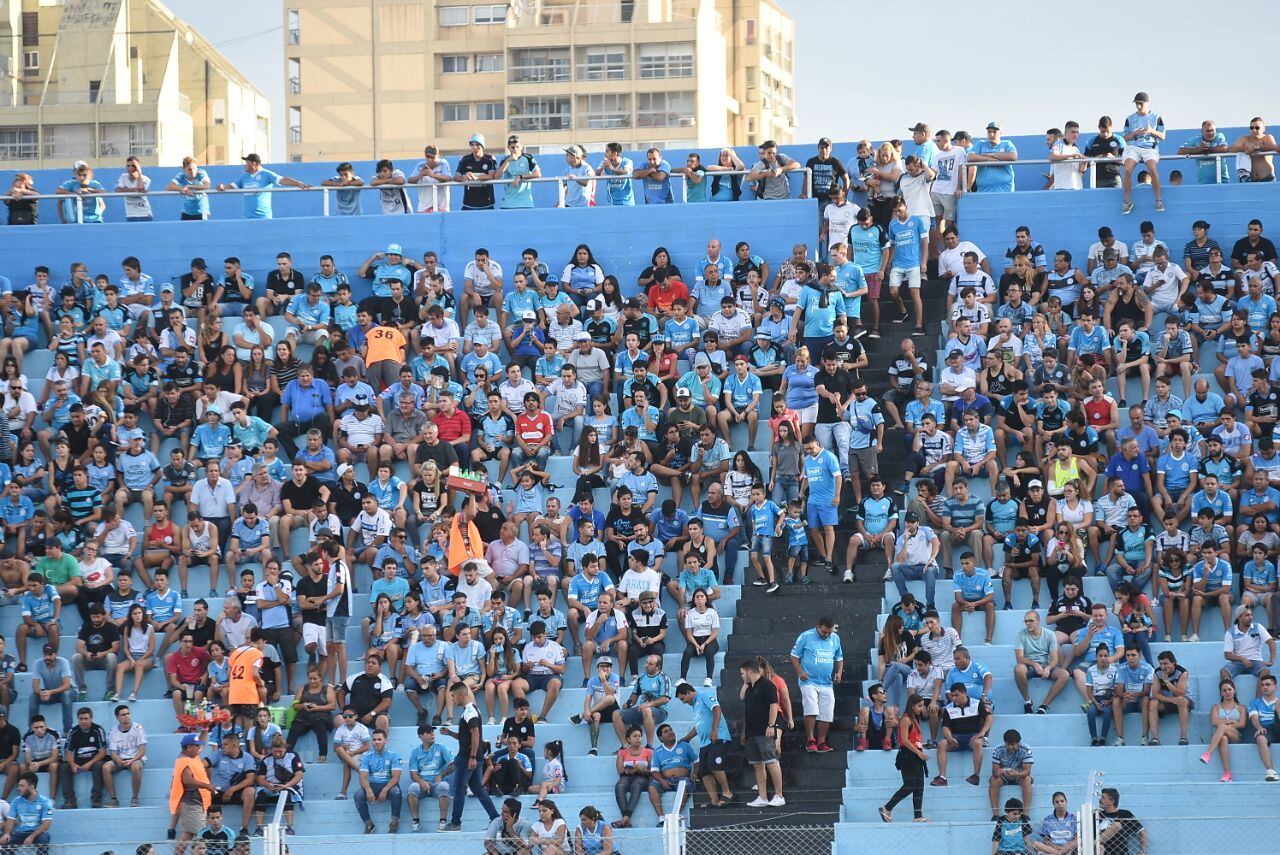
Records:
x=257, y=205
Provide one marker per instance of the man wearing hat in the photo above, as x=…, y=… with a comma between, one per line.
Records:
x=474, y=167
x=826, y=173
x=383, y=267
x=703, y=385
x=518, y=166
x=579, y=192
x=256, y=180
x=993, y=149
x=955, y=375
x=190, y=792
x=1143, y=131
x=430, y=173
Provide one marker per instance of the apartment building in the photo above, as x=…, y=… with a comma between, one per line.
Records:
x=99, y=80
x=380, y=78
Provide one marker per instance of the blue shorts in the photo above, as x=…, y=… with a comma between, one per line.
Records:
x=798, y=550
x=762, y=544
x=539, y=682
x=1235, y=669
x=823, y=514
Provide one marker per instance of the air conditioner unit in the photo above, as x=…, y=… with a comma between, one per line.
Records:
x=685, y=122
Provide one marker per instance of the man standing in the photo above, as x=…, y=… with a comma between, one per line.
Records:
x=469, y=763
x=1253, y=163
x=1209, y=170
x=1106, y=144
x=475, y=167
x=430, y=173
x=257, y=205
x=818, y=660
x=906, y=262
x=190, y=792
x=770, y=172
x=826, y=173
x=712, y=733
x=1143, y=131
x=759, y=729
x=992, y=179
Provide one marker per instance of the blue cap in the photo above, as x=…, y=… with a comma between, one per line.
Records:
x=190, y=739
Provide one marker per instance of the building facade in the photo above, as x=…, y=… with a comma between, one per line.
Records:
x=380, y=78
x=99, y=80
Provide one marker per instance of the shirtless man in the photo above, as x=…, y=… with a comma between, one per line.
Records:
x=1258, y=145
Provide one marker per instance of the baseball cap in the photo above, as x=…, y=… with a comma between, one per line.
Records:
x=168, y=286
x=682, y=392
x=825, y=141
x=528, y=316
x=964, y=385
x=920, y=127
x=658, y=338
x=362, y=400
x=955, y=354
x=514, y=138
x=582, y=335
x=190, y=739
x=575, y=149
x=605, y=660
x=993, y=126
x=49, y=648
x=343, y=469
x=395, y=249
x=1141, y=98
x=1034, y=482
x=251, y=157
x=476, y=138
x=764, y=335
x=594, y=304
x=551, y=277
x=912, y=516
x=701, y=359
x=645, y=597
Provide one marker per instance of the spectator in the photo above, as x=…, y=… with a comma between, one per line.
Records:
x=761, y=710
x=379, y=782
x=993, y=149
x=190, y=792
x=712, y=734
x=85, y=751
x=912, y=761
x=1143, y=131
x=52, y=684
x=818, y=659
x=1228, y=717
x=1114, y=823
x=256, y=181
x=1057, y=833
x=279, y=775
x=507, y=833
x=965, y=724
x=1010, y=764
x=30, y=816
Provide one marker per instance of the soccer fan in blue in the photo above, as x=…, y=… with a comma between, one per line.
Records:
x=974, y=593
x=1143, y=132
x=1176, y=478
x=257, y=205
x=1133, y=692
x=379, y=781
x=766, y=524
x=1266, y=727
x=1213, y=581
x=908, y=239
x=711, y=732
x=992, y=179
x=818, y=660
x=429, y=765
x=673, y=762
x=875, y=521
x=820, y=471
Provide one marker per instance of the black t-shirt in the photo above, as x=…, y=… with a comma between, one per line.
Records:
x=1108, y=174
x=83, y=744
x=281, y=286
x=310, y=587
x=1265, y=406
x=182, y=376
x=217, y=842
x=425, y=499
x=443, y=453
x=489, y=523
x=98, y=639
x=755, y=706
x=1036, y=512
x=478, y=195
x=849, y=351
x=468, y=730
x=366, y=692
x=300, y=496
x=523, y=730
x=824, y=173
x=346, y=503
x=1242, y=248
x=839, y=382
x=624, y=525
x=392, y=313
x=10, y=738
x=1070, y=625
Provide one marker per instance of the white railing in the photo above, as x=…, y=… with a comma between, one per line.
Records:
x=1093, y=162
x=561, y=181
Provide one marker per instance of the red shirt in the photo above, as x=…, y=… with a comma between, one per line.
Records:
x=189, y=668
x=533, y=429
x=660, y=299
x=1097, y=412
x=453, y=427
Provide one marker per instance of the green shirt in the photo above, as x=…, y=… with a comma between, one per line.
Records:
x=58, y=572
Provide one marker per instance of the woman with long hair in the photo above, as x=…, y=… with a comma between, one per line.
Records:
x=588, y=464
x=263, y=730
x=593, y=836
x=323, y=367
x=912, y=762
x=137, y=650
x=894, y=654
x=226, y=372
x=660, y=259
x=23, y=211
x=211, y=340
x=611, y=295
x=1174, y=581
x=701, y=632
x=284, y=370
x=1063, y=557
x=882, y=184
x=1228, y=718
x=502, y=672
x=799, y=391
x=257, y=385
x=547, y=836
x=61, y=371
x=582, y=276
x=743, y=474
x=726, y=188
x=634, y=765
x=785, y=456
x=314, y=708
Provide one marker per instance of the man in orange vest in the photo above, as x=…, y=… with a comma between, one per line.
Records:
x=190, y=793
x=247, y=691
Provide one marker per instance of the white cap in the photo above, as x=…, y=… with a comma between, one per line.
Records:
x=343, y=469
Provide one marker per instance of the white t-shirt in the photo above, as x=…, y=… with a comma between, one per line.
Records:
x=948, y=164
x=840, y=218
x=477, y=594
x=135, y=206
x=393, y=197
x=632, y=584
x=1066, y=173
x=952, y=260
x=351, y=736
x=1095, y=251
x=433, y=195
x=915, y=189
x=701, y=624
x=1166, y=283
x=483, y=283
x=1247, y=644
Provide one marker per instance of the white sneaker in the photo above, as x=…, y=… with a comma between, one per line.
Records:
x=1193, y=638
x=492, y=721
x=1271, y=775
x=848, y=576
x=708, y=682
x=758, y=802
x=777, y=801
x=888, y=574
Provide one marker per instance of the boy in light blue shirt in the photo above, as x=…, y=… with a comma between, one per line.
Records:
x=974, y=593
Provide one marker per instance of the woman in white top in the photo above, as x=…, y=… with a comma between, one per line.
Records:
x=61, y=371
x=139, y=647
x=547, y=836
x=1228, y=717
x=98, y=575
x=701, y=632
x=1073, y=508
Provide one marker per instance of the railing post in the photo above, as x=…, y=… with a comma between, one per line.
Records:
x=79, y=209
x=324, y=195
x=1093, y=174
x=562, y=190
x=673, y=831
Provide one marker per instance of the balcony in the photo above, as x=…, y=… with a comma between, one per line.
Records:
x=656, y=119
x=295, y=37
x=603, y=121
x=547, y=14
x=295, y=86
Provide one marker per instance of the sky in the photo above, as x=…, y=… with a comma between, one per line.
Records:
x=1028, y=66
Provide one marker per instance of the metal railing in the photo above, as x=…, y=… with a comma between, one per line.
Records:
x=327, y=209
x=1093, y=163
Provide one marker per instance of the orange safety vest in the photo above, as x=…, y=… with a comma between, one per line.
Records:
x=383, y=343
x=176, y=789
x=243, y=670
x=463, y=549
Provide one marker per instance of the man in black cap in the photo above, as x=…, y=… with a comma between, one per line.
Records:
x=826, y=172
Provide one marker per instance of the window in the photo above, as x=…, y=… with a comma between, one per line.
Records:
x=487, y=63
x=295, y=27
x=666, y=60
x=295, y=125
x=491, y=111
x=18, y=143
x=30, y=63
x=665, y=110
x=95, y=87
x=455, y=112
x=749, y=74
x=30, y=29
x=751, y=125
x=455, y=63
x=295, y=76
x=455, y=16
x=604, y=111
x=540, y=114
x=608, y=62
x=751, y=31
x=494, y=13
x=539, y=65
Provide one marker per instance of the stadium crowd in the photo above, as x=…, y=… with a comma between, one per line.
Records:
x=345, y=407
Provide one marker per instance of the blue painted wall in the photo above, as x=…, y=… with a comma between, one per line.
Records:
x=1027, y=177
x=622, y=239
x=1070, y=220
